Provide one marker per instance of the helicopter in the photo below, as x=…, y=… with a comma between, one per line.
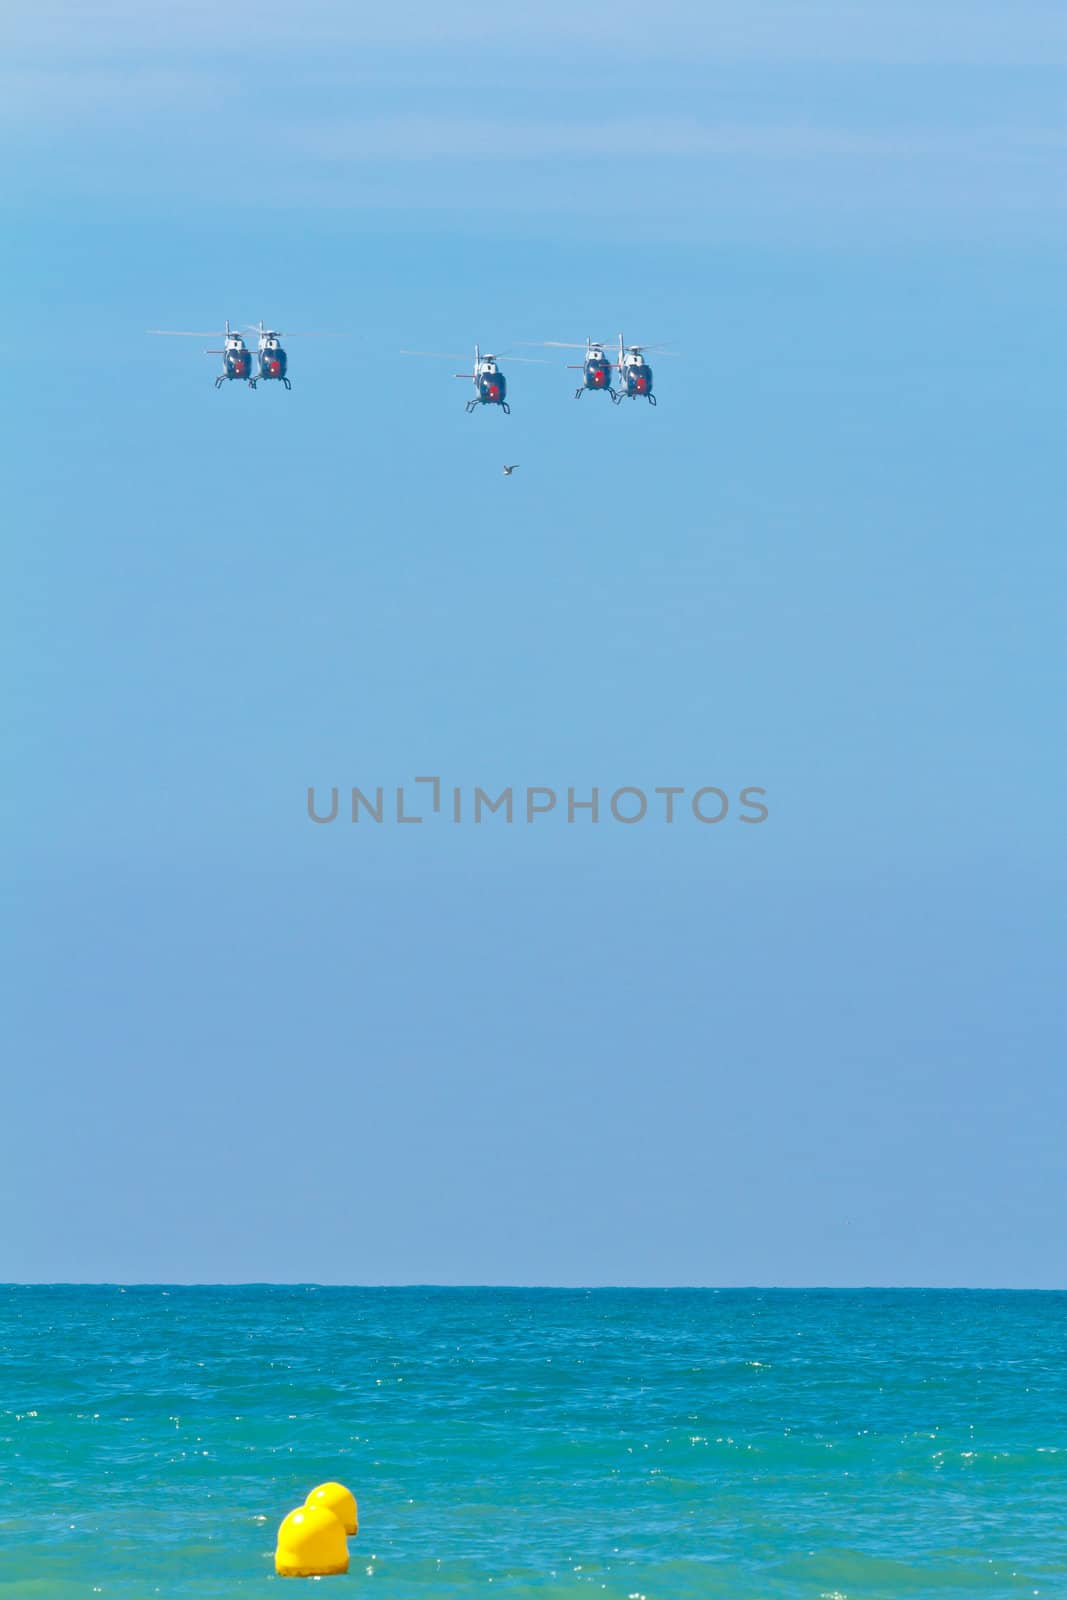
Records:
x=490, y=384
x=635, y=374
x=273, y=360
x=236, y=356
x=595, y=368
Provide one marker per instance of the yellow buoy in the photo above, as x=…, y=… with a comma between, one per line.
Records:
x=341, y=1501
x=311, y=1544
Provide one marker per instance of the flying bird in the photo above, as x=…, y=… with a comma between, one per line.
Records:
x=509, y=470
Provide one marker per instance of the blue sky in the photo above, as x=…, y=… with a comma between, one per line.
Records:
x=823, y=1050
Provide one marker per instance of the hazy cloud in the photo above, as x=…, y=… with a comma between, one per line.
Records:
x=742, y=114
x=953, y=31
x=486, y=139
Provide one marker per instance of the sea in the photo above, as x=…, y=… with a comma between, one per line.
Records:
x=506, y=1443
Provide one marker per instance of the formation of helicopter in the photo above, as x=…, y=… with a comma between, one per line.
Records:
x=634, y=375
x=272, y=360
x=631, y=372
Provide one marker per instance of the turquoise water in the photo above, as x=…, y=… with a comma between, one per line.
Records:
x=661, y=1444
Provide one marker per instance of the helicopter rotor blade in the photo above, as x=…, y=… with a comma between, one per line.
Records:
x=276, y=333
x=184, y=333
x=433, y=355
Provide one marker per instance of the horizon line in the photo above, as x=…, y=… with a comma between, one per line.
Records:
x=554, y=1288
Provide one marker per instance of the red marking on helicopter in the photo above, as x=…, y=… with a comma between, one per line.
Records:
x=494, y=391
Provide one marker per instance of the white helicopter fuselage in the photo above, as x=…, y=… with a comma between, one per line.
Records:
x=635, y=374
x=236, y=358
x=273, y=361
x=490, y=384
x=596, y=369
